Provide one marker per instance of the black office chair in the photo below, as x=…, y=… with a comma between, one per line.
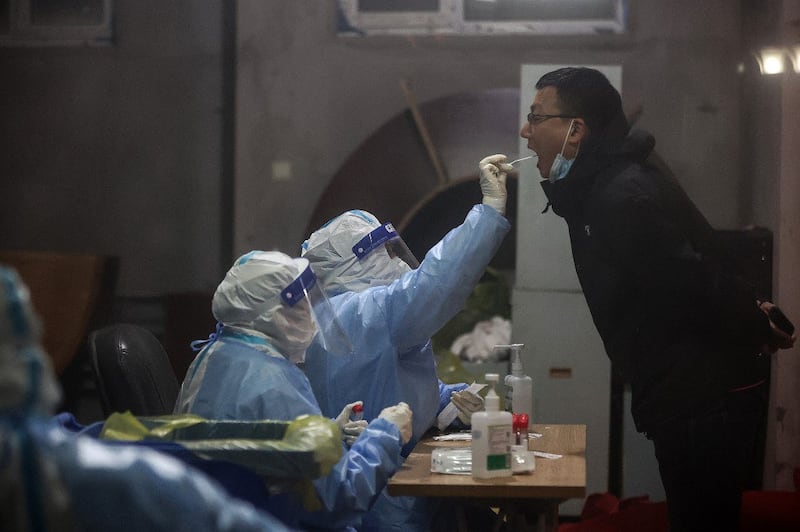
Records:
x=132, y=371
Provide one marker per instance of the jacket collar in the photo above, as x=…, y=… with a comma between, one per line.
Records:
x=614, y=144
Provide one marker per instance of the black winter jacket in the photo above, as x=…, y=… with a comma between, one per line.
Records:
x=678, y=328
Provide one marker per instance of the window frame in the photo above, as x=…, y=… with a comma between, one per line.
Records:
x=22, y=32
x=449, y=19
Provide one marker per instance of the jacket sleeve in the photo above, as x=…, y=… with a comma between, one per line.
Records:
x=423, y=300
x=361, y=473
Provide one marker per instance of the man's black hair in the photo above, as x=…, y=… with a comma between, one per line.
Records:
x=585, y=93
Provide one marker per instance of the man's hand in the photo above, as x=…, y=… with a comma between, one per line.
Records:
x=779, y=338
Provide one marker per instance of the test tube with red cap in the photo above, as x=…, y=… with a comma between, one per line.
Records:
x=520, y=427
x=357, y=412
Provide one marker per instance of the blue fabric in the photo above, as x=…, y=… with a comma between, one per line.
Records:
x=237, y=480
x=67, y=420
x=54, y=478
x=401, y=514
x=125, y=487
x=235, y=379
x=390, y=327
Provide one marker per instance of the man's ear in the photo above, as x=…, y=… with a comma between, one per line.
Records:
x=579, y=133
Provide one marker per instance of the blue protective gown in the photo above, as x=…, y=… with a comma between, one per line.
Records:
x=390, y=328
x=239, y=376
x=109, y=488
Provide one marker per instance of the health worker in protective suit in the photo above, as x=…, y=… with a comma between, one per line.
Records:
x=54, y=480
x=270, y=307
x=390, y=306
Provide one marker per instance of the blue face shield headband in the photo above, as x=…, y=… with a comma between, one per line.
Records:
x=297, y=302
x=385, y=235
x=299, y=288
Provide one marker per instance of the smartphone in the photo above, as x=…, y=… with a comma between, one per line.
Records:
x=780, y=320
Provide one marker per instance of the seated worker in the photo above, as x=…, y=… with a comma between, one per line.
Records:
x=52, y=479
x=390, y=307
x=270, y=307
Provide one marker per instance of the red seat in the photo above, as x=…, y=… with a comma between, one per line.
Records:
x=604, y=512
x=776, y=511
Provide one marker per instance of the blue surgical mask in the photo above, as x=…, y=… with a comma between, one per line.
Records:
x=561, y=165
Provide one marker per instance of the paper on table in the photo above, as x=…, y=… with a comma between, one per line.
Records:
x=467, y=436
x=449, y=412
x=455, y=436
x=458, y=461
x=542, y=454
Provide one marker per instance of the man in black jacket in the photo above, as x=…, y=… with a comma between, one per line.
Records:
x=692, y=341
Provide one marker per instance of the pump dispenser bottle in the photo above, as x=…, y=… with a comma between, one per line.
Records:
x=519, y=391
x=491, y=436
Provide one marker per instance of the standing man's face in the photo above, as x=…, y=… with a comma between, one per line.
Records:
x=545, y=132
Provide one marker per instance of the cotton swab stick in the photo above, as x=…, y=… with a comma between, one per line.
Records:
x=522, y=159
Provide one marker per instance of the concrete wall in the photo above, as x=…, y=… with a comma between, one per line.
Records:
x=117, y=150
x=309, y=97
x=772, y=138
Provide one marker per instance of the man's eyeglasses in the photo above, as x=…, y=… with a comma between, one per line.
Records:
x=534, y=119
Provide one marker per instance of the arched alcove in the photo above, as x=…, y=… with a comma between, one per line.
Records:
x=391, y=174
x=445, y=207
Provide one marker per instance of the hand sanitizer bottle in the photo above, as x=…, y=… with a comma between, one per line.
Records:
x=519, y=395
x=491, y=436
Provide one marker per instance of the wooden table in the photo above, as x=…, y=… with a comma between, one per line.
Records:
x=529, y=500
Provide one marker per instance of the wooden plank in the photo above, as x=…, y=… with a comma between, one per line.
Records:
x=64, y=289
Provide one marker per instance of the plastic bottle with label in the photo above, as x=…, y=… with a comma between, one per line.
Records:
x=519, y=393
x=491, y=436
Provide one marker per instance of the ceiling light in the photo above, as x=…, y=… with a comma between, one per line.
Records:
x=771, y=60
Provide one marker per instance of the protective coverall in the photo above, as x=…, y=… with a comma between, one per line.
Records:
x=390, y=321
x=390, y=313
x=243, y=375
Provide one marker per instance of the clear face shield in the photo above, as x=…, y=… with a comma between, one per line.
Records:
x=306, y=289
x=386, y=239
